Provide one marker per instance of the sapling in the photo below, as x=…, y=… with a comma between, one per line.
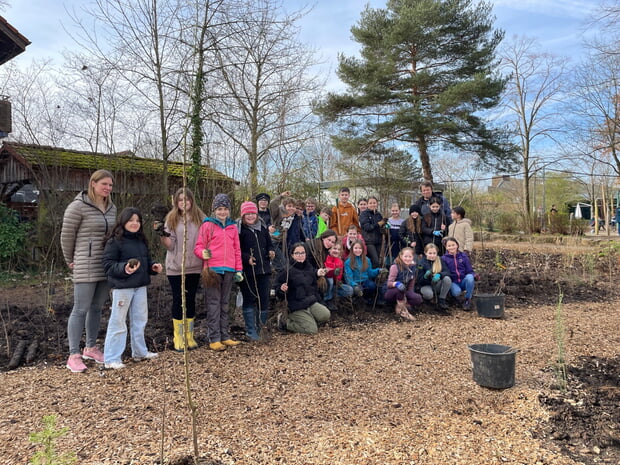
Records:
x=559, y=334
x=47, y=438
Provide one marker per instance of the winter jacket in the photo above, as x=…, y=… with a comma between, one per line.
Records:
x=117, y=253
x=309, y=224
x=223, y=242
x=371, y=230
x=255, y=241
x=174, y=254
x=355, y=276
x=265, y=215
x=302, y=285
x=432, y=222
x=425, y=265
x=425, y=207
x=331, y=263
x=461, y=230
x=81, y=238
x=459, y=266
x=406, y=275
x=322, y=226
x=342, y=217
x=411, y=231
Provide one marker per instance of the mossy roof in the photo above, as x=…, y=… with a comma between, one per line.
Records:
x=50, y=156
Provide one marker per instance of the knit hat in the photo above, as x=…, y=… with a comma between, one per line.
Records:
x=220, y=200
x=263, y=196
x=248, y=207
x=415, y=208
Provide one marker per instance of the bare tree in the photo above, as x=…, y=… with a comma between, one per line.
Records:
x=532, y=97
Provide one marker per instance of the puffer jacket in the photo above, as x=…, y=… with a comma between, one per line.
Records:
x=223, y=241
x=81, y=238
x=116, y=255
x=255, y=241
x=369, y=222
x=302, y=285
x=461, y=230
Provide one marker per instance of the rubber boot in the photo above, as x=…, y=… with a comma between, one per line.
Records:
x=250, y=323
x=178, y=335
x=189, y=335
x=263, y=320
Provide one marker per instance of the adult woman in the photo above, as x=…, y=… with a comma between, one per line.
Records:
x=257, y=251
x=184, y=216
x=87, y=219
x=299, y=283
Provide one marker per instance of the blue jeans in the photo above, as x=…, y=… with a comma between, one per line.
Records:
x=343, y=291
x=467, y=285
x=130, y=301
x=88, y=300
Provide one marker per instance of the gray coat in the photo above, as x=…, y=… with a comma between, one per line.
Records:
x=83, y=229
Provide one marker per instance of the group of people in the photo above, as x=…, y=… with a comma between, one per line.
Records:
x=304, y=255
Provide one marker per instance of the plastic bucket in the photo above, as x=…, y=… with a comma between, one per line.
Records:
x=490, y=305
x=493, y=365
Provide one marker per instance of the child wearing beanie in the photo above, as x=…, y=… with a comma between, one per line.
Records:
x=410, y=231
x=218, y=246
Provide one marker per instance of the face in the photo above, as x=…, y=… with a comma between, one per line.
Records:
x=290, y=208
x=431, y=254
x=452, y=247
x=221, y=213
x=335, y=251
x=263, y=204
x=344, y=197
x=407, y=257
x=310, y=207
x=133, y=225
x=329, y=241
x=426, y=191
x=372, y=204
x=454, y=216
x=103, y=187
x=395, y=211
x=250, y=218
x=352, y=234
x=435, y=207
x=357, y=250
x=414, y=215
x=362, y=205
x=299, y=254
x=325, y=216
x=183, y=204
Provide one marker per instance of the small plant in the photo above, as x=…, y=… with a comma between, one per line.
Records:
x=47, y=439
x=559, y=334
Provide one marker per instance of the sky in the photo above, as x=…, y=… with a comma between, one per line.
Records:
x=558, y=25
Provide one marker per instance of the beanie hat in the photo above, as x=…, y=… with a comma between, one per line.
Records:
x=248, y=207
x=263, y=196
x=221, y=200
x=415, y=208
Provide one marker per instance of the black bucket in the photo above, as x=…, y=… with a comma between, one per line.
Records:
x=490, y=305
x=493, y=365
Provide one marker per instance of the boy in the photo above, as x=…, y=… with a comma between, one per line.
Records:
x=461, y=230
x=309, y=218
x=343, y=214
x=323, y=221
x=262, y=200
x=288, y=230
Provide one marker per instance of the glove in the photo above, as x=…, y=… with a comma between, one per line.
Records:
x=238, y=276
x=206, y=254
x=381, y=223
x=427, y=274
x=337, y=272
x=358, y=291
x=158, y=227
x=437, y=233
x=383, y=271
x=400, y=286
x=436, y=277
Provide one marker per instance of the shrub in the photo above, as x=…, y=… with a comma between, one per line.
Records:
x=13, y=235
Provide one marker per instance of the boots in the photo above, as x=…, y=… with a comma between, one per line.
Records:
x=251, y=331
x=402, y=311
x=189, y=335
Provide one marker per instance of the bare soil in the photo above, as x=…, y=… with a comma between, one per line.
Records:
x=368, y=389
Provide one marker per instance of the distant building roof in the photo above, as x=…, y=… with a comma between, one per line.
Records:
x=12, y=43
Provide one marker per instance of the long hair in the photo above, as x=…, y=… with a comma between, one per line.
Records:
x=96, y=177
x=119, y=228
x=414, y=225
x=193, y=215
x=436, y=268
x=399, y=261
x=353, y=257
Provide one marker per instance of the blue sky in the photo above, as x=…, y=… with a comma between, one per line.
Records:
x=557, y=24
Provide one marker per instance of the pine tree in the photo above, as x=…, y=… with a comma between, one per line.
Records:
x=427, y=70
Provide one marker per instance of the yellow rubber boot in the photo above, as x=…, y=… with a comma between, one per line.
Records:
x=178, y=335
x=189, y=335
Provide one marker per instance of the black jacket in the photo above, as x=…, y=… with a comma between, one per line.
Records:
x=302, y=285
x=255, y=242
x=369, y=222
x=117, y=253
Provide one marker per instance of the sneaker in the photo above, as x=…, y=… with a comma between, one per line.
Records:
x=75, y=364
x=230, y=342
x=148, y=356
x=114, y=365
x=92, y=353
x=467, y=305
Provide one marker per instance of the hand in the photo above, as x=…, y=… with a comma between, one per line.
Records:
x=383, y=271
x=285, y=194
x=400, y=286
x=437, y=233
x=238, y=276
x=427, y=274
x=157, y=268
x=206, y=254
x=436, y=277
x=358, y=291
x=476, y=277
x=252, y=261
x=321, y=272
x=381, y=223
x=272, y=254
x=272, y=228
x=132, y=265
x=158, y=227
x=284, y=287
x=337, y=272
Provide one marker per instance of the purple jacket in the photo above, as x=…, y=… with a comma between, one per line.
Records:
x=459, y=266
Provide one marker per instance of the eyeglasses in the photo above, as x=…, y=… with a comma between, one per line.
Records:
x=299, y=253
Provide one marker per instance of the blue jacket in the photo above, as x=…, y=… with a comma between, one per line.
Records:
x=355, y=277
x=459, y=266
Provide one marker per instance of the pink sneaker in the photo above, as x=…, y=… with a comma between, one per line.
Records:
x=75, y=364
x=92, y=353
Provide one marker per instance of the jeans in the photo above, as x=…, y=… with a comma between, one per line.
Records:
x=130, y=301
x=191, y=286
x=343, y=291
x=467, y=285
x=88, y=300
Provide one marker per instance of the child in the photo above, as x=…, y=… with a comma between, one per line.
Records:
x=184, y=214
x=460, y=229
x=128, y=265
x=401, y=284
x=353, y=235
x=299, y=283
x=434, y=277
x=323, y=221
x=394, y=221
x=262, y=200
x=309, y=219
x=362, y=204
x=218, y=245
x=344, y=213
x=335, y=271
x=434, y=224
x=373, y=225
x=359, y=273
x=256, y=254
x=461, y=272
x=411, y=231
x=288, y=228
